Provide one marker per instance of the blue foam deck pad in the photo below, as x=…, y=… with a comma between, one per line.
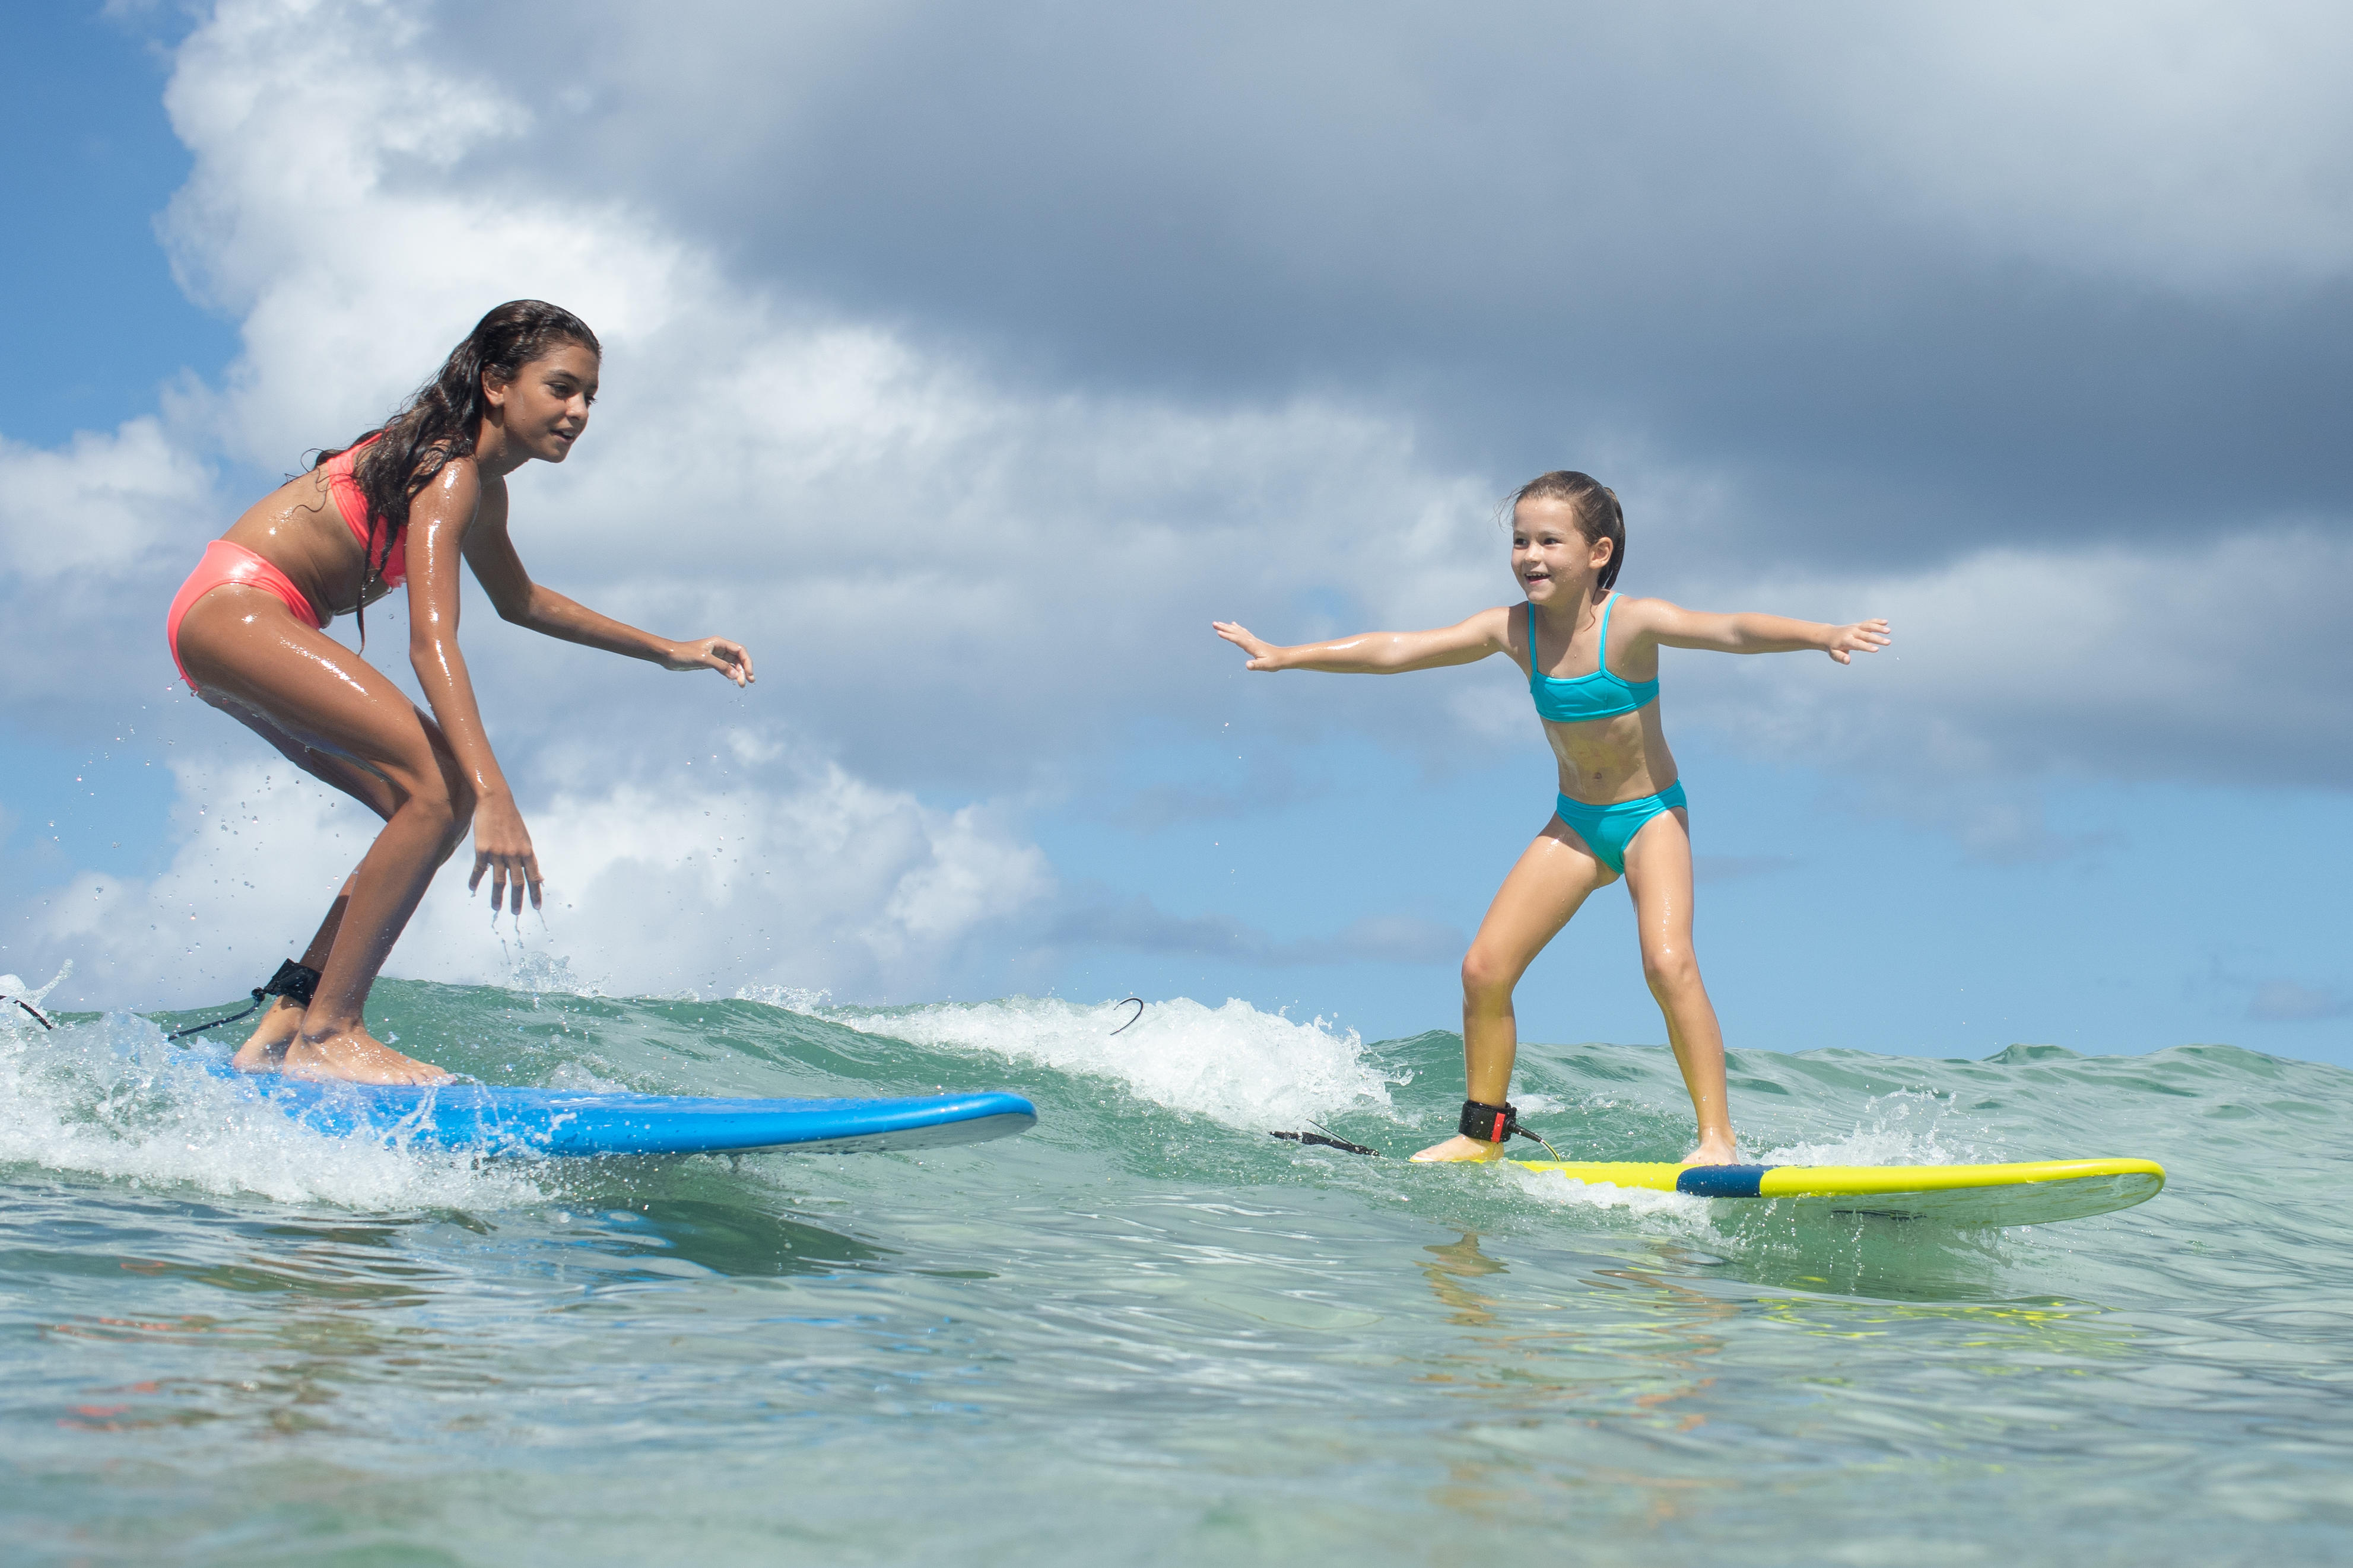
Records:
x=1722, y=1181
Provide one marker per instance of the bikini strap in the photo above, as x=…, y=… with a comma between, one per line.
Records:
x=1536, y=666
x=1607, y=605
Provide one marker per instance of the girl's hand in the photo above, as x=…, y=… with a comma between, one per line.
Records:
x=1262, y=652
x=712, y=653
x=502, y=847
x=1863, y=637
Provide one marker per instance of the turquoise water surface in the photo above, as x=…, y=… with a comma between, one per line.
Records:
x=1146, y=1331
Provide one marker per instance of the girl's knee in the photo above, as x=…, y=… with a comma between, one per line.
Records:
x=428, y=797
x=1671, y=970
x=1487, y=978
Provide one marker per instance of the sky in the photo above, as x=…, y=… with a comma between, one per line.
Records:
x=967, y=361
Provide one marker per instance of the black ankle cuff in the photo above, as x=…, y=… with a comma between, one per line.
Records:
x=1488, y=1123
x=295, y=982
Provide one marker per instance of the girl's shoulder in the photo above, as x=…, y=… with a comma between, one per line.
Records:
x=430, y=460
x=454, y=485
x=1501, y=625
x=1640, y=616
x=1503, y=628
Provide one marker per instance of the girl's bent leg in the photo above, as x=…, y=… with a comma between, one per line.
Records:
x=1659, y=876
x=265, y=1049
x=1552, y=880
x=247, y=652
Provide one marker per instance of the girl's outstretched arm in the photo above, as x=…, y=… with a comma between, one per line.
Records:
x=492, y=553
x=1675, y=626
x=1380, y=653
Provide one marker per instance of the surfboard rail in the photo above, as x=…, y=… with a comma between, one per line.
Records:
x=498, y=1120
x=2027, y=1191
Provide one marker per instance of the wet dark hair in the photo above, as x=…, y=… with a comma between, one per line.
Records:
x=439, y=420
x=1595, y=504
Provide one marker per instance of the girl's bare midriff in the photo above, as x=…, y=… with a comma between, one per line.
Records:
x=297, y=528
x=1605, y=761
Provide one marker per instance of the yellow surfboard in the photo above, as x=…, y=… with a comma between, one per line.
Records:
x=2033, y=1192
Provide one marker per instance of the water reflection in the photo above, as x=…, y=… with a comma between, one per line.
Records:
x=730, y=1239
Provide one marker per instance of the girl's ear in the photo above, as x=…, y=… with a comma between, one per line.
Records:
x=494, y=389
x=1603, y=549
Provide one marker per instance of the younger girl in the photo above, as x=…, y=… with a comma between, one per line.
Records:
x=411, y=499
x=1592, y=660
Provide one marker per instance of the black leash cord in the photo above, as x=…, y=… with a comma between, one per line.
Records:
x=1549, y=1149
x=258, y=997
x=296, y=982
x=1326, y=1141
x=1139, y=1012
x=38, y=1016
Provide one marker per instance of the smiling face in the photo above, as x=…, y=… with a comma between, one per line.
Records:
x=543, y=409
x=1555, y=563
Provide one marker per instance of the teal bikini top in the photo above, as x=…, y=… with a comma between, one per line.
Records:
x=1601, y=695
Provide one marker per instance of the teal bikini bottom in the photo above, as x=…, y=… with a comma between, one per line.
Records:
x=1608, y=829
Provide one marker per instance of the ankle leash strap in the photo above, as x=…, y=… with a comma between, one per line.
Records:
x=295, y=982
x=1488, y=1123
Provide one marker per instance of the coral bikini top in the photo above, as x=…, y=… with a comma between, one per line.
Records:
x=352, y=501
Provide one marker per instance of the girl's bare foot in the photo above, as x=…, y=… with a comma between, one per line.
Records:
x=1459, y=1148
x=354, y=1055
x=1716, y=1149
x=265, y=1049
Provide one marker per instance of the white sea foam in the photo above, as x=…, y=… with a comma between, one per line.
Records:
x=113, y=1098
x=791, y=998
x=1553, y=1187
x=20, y=1003
x=575, y=1077
x=539, y=973
x=1245, y=1068
x=1907, y=1127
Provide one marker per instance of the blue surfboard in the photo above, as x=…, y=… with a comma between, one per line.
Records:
x=489, y=1118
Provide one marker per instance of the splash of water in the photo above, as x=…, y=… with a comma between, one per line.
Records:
x=1244, y=1067
x=111, y=1097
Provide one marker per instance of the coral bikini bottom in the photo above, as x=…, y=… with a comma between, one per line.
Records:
x=226, y=563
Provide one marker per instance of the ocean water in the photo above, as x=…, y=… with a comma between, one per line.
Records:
x=1146, y=1331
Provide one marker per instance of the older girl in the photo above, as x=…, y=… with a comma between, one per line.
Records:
x=408, y=501
x=1592, y=662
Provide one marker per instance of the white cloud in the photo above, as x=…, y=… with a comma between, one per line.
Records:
x=103, y=504
x=1488, y=147
x=89, y=537
x=778, y=875
x=2194, y=143
x=2218, y=663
